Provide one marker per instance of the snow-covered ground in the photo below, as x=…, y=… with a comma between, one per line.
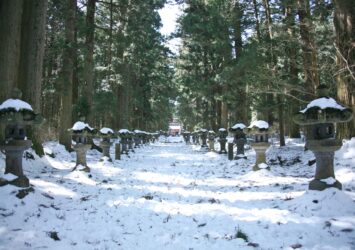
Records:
x=173, y=196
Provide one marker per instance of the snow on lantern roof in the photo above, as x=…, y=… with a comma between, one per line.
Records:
x=79, y=126
x=222, y=129
x=211, y=132
x=137, y=131
x=123, y=131
x=15, y=104
x=174, y=127
x=323, y=103
x=203, y=130
x=259, y=124
x=106, y=131
x=239, y=126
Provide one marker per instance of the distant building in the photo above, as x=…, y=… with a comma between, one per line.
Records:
x=175, y=127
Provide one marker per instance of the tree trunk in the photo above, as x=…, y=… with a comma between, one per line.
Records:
x=242, y=109
x=291, y=51
x=31, y=60
x=310, y=63
x=67, y=76
x=10, y=38
x=344, y=22
x=257, y=21
x=269, y=97
x=280, y=100
x=89, y=59
x=75, y=76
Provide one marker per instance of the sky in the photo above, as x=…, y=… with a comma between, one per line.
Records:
x=169, y=15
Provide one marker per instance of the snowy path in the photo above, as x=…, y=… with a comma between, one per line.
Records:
x=171, y=196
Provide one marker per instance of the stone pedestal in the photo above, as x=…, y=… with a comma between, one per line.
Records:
x=130, y=145
x=81, y=150
x=14, y=152
x=124, y=144
x=222, y=142
x=203, y=141
x=105, y=145
x=211, y=145
x=117, y=151
x=324, y=152
x=230, y=151
x=136, y=141
x=240, y=148
x=260, y=149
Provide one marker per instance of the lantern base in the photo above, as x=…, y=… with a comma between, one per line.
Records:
x=21, y=181
x=321, y=185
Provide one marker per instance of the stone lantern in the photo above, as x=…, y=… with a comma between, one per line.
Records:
x=145, y=137
x=105, y=144
x=203, y=136
x=80, y=134
x=239, y=139
x=124, y=134
x=211, y=137
x=130, y=140
x=222, y=134
x=156, y=136
x=186, y=135
x=319, y=116
x=137, y=139
x=15, y=115
x=259, y=133
x=194, y=136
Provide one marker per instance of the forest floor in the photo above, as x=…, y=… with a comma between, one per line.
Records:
x=175, y=196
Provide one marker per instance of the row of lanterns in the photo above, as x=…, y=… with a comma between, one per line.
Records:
x=319, y=117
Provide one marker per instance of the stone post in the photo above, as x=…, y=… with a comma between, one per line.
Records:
x=203, y=137
x=230, y=151
x=117, y=151
x=211, y=137
x=222, y=132
x=105, y=145
x=81, y=150
x=14, y=153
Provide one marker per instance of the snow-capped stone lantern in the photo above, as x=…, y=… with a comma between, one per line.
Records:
x=15, y=115
x=186, y=135
x=137, y=138
x=239, y=139
x=130, y=140
x=211, y=137
x=106, y=135
x=259, y=133
x=194, y=136
x=80, y=134
x=154, y=137
x=203, y=136
x=124, y=134
x=320, y=115
x=222, y=134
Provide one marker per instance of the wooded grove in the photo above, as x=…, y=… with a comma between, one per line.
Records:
x=105, y=62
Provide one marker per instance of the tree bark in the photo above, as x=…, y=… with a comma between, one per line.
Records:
x=344, y=22
x=241, y=110
x=32, y=51
x=291, y=51
x=31, y=60
x=310, y=62
x=10, y=38
x=89, y=58
x=67, y=76
x=257, y=21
